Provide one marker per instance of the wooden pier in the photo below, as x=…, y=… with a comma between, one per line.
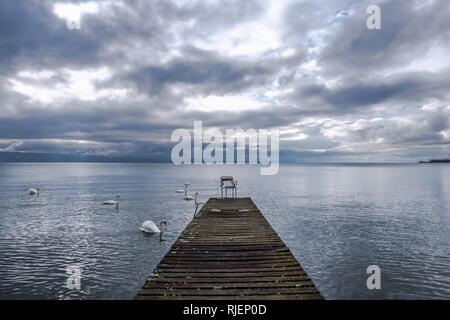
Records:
x=229, y=252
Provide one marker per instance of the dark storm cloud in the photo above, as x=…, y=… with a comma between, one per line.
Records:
x=210, y=73
x=32, y=36
x=409, y=28
x=407, y=88
x=424, y=127
x=107, y=124
x=71, y=147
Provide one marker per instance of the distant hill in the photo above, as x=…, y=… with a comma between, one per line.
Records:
x=436, y=161
x=57, y=157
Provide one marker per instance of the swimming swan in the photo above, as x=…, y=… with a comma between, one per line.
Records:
x=112, y=202
x=150, y=227
x=185, y=189
x=34, y=191
x=186, y=197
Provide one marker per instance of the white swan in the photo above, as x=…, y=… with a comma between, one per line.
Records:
x=185, y=189
x=34, y=191
x=197, y=204
x=193, y=198
x=150, y=227
x=186, y=197
x=112, y=202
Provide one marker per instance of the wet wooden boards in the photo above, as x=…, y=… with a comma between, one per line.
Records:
x=229, y=252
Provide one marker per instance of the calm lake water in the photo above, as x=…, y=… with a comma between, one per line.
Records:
x=336, y=219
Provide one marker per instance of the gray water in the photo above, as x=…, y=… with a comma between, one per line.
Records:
x=336, y=219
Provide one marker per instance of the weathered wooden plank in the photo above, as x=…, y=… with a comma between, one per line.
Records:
x=221, y=274
x=270, y=261
x=231, y=280
x=229, y=252
x=215, y=285
x=257, y=270
x=217, y=259
x=226, y=292
x=226, y=255
x=315, y=296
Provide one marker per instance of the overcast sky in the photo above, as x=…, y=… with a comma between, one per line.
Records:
x=137, y=70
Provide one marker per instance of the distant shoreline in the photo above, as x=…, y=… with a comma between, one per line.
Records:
x=435, y=161
x=31, y=157
x=247, y=164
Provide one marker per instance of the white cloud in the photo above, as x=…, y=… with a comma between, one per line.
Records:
x=75, y=11
x=292, y=134
x=79, y=85
x=35, y=75
x=253, y=38
x=12, y=147
x=222, y=103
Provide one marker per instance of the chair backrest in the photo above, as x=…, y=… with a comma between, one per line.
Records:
x=224, y=179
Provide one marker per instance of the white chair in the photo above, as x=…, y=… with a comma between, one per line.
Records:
x=227, y=182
